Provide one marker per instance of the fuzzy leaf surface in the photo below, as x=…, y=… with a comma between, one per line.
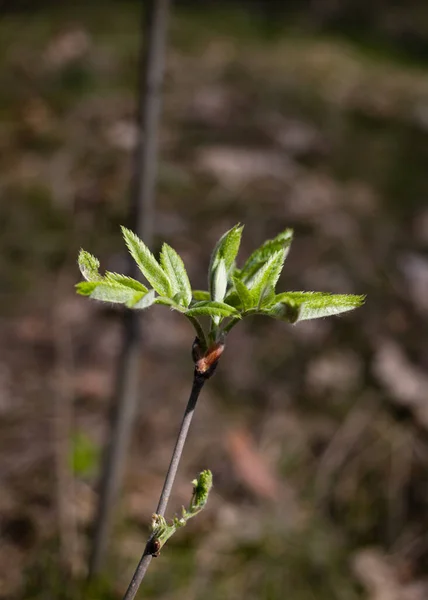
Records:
x=200, y=295
x=147, y=263
x=176, y=272
x=226, y=249
x=89, y=265
x=244, y=294
x=211, y=309
x=265, y=279
x=125, y=281
x=169, y=302
x=313, y=305
x=259, y=257
x=219, y=281
x=107, y=291
x=146, y=301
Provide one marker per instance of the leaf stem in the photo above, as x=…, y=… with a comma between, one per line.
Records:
x=198, y=383
x=199, y=331
x=231, y=325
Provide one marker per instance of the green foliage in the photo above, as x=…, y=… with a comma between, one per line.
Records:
x=89, y=266
x=161, y=530
x=147, y=264
x=212, y=309
x=84, y=455
x=300, y=306
x=233, y=293
x=259, y=257
x=174, y=268
x=222, y=260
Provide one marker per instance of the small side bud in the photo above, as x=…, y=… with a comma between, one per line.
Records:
x=206, y=365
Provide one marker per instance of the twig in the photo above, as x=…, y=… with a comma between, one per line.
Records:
x=198, y=383
x=141, y=217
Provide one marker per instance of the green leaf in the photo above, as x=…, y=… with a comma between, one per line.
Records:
x=233, y=299
x=108, y=291
x=226, y=249
x=174, y=268
x=147, y=263
x=125, y=281
x=200, y=295
x=169, y=302
x=262, y=284
x=146, y=301
x=259, y=257
x=244, y=294
x=212, y=309
x=201, y=489
x=135, y=299
x=301, y=306
x=85, y=288
x=219, y=281
x=89, y=266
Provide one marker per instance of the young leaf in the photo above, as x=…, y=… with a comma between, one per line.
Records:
x=233, y=299
x=135, y=299
x=219, y=281
x=146, y=301
x=125, y=281
x=212, y=309
x=259, y=257
x=169, y=302
x=175, y=271
x=265, y=279
x=85, y=288
x=226, y=249
x=108, y=291
x=244, y=294
x=147, y=263
x=200, y=295
x=313, y=305
x=89, y=266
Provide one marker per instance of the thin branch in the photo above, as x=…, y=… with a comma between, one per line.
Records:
x=141, y=220
x=198, y=383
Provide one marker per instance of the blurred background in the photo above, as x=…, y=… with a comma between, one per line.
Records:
x=311, y=115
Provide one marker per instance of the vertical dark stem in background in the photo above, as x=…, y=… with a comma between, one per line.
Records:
x=141, y=221
x=146, y=558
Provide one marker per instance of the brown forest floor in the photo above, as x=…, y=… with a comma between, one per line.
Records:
x=316, y=434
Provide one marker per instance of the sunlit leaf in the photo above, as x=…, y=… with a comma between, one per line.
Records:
x=85, y=288
x=89, y=266
x=200, y=295
x=112, y=292
x=226, y=249
x=259, y=257
x=146, y=301
x=245, y=296
x=169, y=302
x=212, y=309
x=175, y=270
x=300, y=306
x=125, y=281
x=264, y=280
x=219, y=281
x=147, y=263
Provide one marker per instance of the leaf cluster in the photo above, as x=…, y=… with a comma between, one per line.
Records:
x=233, y=293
